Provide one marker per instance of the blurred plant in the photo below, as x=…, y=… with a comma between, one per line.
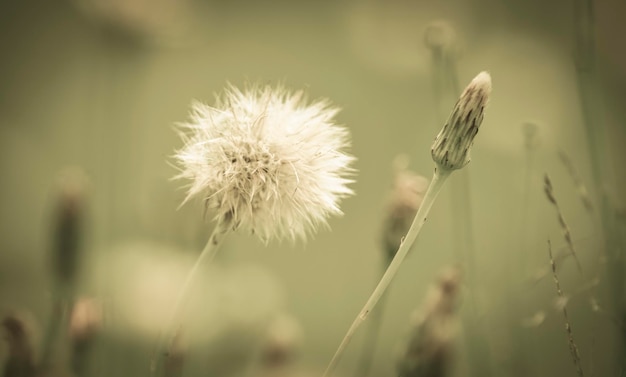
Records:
x=252, y=321
x=281, y=345
x=429, y=349
x=406, y=196
x=265, y=161
x=282, y=342
x=85, y=322
x=68, y=223
x=404, y=200
x=19, y=335
x=176, y=359
x=441, y=39
x=68, y=226
x=450, y=151
x=140, y=20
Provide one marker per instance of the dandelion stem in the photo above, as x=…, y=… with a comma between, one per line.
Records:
x=439, y=178
x=171, y=331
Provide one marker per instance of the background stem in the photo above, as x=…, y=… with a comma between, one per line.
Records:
x=601, y=167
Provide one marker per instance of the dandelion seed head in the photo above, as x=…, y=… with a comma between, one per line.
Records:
x=267, y=161
x=451, y=149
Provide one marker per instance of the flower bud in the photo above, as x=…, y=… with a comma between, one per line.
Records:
x=451, y=149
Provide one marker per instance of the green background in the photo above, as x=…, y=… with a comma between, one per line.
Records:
x=100, y=85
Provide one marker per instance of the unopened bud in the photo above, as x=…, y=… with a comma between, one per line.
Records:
x=451, y=149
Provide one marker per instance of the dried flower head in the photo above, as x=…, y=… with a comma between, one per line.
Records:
x=451, y=149
x=267, y=161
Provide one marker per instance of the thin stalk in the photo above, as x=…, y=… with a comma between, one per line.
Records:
x=439, y=178
x=371, y=338
x=171, y=331
x=573, y=348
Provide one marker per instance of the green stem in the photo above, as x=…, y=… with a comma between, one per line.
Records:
x=371, y=337
x=439, y=178
x=208, y=253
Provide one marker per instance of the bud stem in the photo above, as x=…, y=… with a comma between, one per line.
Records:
x=439, y=178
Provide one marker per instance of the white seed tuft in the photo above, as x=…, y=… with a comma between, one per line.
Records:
x=266, y=161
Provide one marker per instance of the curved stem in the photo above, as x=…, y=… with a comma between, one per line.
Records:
x=434, y=188
x=165, y=340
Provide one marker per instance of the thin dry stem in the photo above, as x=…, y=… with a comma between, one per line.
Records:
x=566, y=232
x=568, y=327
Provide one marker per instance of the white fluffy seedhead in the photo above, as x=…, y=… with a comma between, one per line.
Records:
x=451, y=149
x=267, y=161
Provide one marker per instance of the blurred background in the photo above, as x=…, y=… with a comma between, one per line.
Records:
x=97, y=86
